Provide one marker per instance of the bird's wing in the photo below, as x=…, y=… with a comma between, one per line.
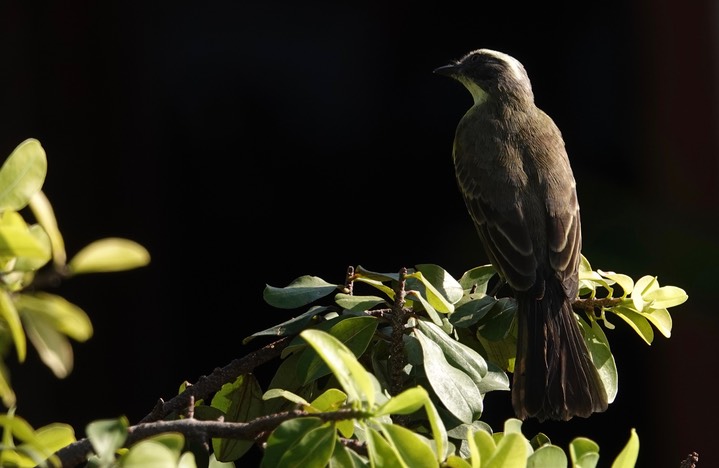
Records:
x=500, y=220
x=564, y=236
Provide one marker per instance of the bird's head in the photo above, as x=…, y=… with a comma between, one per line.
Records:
x=489, y=74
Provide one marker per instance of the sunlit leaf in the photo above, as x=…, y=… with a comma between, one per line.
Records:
x=636, y=321
x=301, y=291
x=287, y=395
x=373, y=275
x=381, y=453
x=431, y=312
x=442, y=281
x=660, y=318
x=584, y=452
x=22, y=175
x=9, y=313
x=665, y=297
x=108, y=255
x=477, y=278
x=433, y=296
x=548, y=456
x=106, y=436
x=353, y=378
x=353, y=332
x=53, y=347
x=643, y=286
x=624, y=281
x=602, y=357
x=43, y=212
x=511, y=452
x=150, y=454
x=627, y=458
x=406, y=402
x=65, y=316
x=413, y=449
x=18, y=239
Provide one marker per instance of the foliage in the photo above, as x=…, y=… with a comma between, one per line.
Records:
x=381, y=369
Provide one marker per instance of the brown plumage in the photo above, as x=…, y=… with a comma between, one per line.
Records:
x=514, y=174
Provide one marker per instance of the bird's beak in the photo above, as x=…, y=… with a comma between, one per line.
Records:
x=446, y=70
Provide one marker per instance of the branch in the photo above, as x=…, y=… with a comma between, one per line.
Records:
x=593, y=303
x=77, y=453
x=208, y=385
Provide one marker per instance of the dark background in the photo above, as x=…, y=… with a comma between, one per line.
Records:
x=246, y=143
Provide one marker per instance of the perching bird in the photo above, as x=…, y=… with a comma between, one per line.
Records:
x=514, y=174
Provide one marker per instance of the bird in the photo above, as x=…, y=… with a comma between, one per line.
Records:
x=514, y=174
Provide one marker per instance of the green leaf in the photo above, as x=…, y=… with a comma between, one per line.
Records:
x=53, y=348
x=109, y=255
x=500, y=320
x=602, y=357
x=665, y=297
x=477, y=278
x=354, y=332
x=6, y=393
x=459, y=355
x=442, y=281
x=106, y=436
x=624, y=281
x=453, y=461
x=292, y=326
x=511, y=452
x=30, y=244
x=486, y=446
x=455, y=389
x=627, y=458
x=353, y=378
x=471, y=311
x=300, y=292
x=406, y=402
x=377, y=285
x=287, y=395
x=9, y=313
x=241, y=401
x=285, y=436
x=431, y=312
x=346, y=458
x=150, y=453
x=357, y=303
x=22, y=175
x=381, y=453
x=548, y=456
x=636, y=321
x=643, y=286
x=503, y=352
x=413, y=449
x=584, y=453
x=331, y=400
x=660, y=318
x=373, y=275
x=313, y=450
x=433, y=296
x=65, y=317
x=43, y=212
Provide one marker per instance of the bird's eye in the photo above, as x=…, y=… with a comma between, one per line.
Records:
x=473, y=58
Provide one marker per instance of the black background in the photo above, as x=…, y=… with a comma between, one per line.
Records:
x=246, y=143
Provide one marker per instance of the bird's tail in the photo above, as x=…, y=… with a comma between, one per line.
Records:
x=554, y=377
